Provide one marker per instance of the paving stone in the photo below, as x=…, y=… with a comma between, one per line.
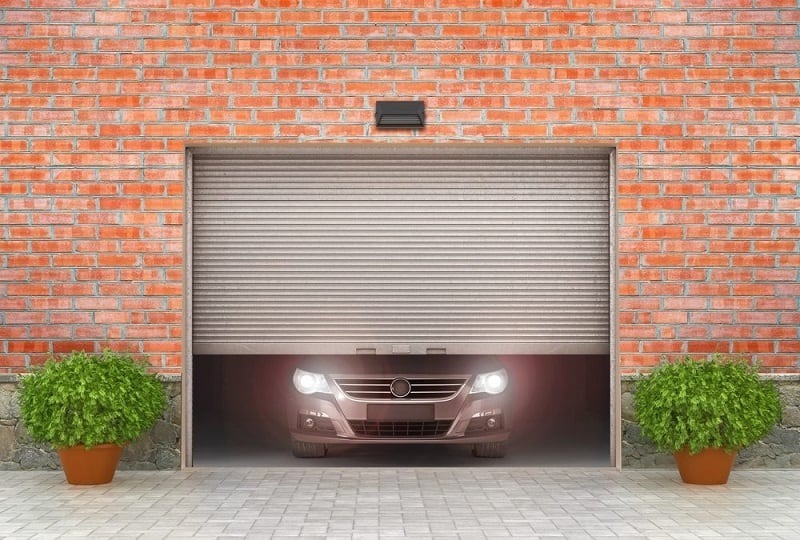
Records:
x=425, y=503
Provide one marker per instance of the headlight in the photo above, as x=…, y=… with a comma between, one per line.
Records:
x=493, y=382
x=310, y=383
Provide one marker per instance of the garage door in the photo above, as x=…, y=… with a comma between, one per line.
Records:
x=407, y=249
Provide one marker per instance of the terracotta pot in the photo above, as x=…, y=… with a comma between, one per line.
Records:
x=88, y=467
x=710, y=466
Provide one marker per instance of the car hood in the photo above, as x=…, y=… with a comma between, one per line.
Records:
x=400, y=365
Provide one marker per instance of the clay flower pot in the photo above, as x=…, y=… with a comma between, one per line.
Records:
x=90, y=466
x=710, y=466
x=113, y=396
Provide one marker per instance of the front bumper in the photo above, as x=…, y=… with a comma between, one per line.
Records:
x=340, y=419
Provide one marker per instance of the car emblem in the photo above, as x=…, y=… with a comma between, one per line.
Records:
x=400, y=387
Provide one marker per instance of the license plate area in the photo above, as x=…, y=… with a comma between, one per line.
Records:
x=400, y=412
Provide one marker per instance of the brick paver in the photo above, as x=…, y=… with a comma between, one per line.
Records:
x=360, y=503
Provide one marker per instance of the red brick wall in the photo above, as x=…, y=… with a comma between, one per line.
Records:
x=699, y=96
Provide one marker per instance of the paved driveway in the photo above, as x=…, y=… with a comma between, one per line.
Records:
x=400, y=503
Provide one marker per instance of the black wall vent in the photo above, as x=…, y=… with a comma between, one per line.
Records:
x=400, y=114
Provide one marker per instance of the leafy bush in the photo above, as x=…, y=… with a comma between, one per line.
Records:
x=90, y=400
x=719, y=403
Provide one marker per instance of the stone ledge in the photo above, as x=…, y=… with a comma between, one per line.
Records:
x=777, y=377
x=157, y=449
x=779, y=449
x=164, y=377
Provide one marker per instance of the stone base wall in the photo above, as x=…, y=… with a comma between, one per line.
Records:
x=157, y=449
x=779, y=449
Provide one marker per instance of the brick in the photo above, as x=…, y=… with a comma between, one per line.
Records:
x=709, y=347
x=66, y=347
x=28, y=346
x=662, y=346
x=700, y=103
x=752, y=347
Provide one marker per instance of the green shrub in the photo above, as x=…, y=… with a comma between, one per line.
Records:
x=90, y=399
x=717, y=403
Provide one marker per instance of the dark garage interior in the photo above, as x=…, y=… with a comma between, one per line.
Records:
x=561, y=417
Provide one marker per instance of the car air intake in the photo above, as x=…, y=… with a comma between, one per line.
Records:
x=421, y=388
x=408, y=430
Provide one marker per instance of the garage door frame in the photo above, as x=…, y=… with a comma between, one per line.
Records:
x=306, y=149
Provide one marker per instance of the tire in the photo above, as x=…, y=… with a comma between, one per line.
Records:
x=489, y=449
x=302, y=449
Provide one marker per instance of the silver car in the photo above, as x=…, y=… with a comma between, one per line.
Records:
x=396, y=400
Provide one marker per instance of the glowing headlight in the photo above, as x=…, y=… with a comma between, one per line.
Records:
x=492, y=383
x=310, y=383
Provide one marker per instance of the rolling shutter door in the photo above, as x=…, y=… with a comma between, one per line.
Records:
x=336, y=249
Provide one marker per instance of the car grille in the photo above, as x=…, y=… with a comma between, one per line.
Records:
x=409, y=430
x=421, y=387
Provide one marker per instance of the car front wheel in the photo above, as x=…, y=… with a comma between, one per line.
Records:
x=489, y=449
x=303, y=449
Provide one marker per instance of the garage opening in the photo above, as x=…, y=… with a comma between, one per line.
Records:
x=425, y=275
x=557, y=419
